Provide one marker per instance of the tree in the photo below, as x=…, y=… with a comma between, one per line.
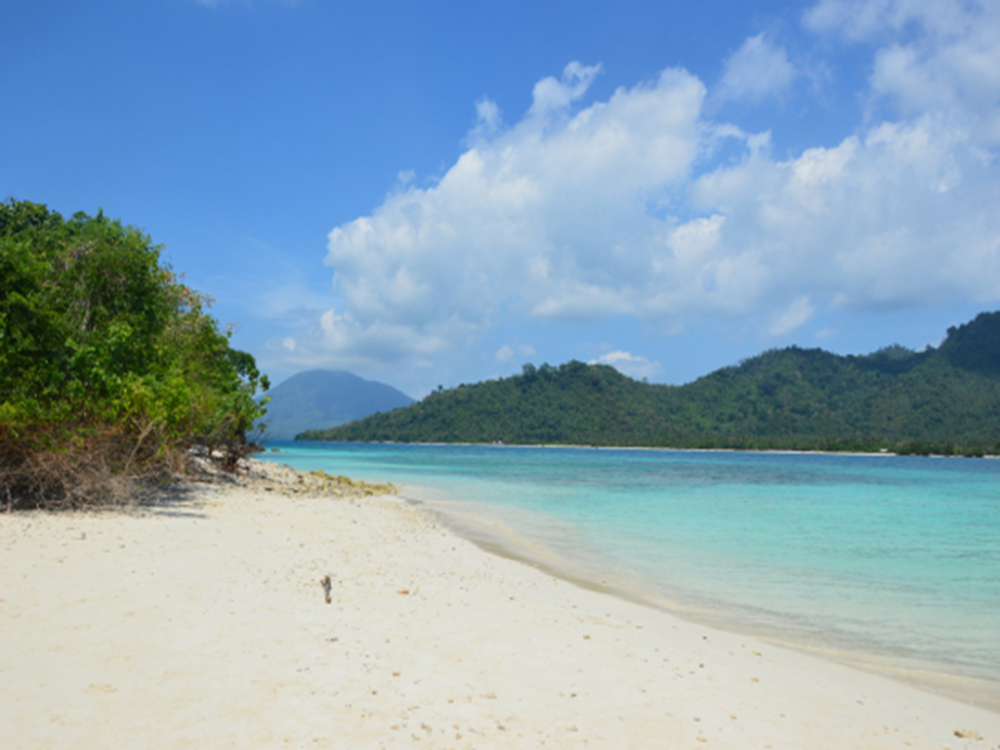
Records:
x=110, y=368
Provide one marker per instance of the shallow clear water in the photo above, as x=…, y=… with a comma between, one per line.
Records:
x=893, y=560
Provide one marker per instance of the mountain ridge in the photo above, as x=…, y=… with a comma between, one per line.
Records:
x=325, y=398
x=942, y=400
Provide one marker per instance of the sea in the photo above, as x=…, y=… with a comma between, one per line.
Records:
x=887, y=563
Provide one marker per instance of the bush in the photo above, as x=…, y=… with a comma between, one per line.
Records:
x=110, y=368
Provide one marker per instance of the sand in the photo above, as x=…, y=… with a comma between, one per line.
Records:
x=202, y=623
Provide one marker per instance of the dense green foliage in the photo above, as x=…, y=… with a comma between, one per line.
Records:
x=108, y=365
x=942, y=401
x=326, y=398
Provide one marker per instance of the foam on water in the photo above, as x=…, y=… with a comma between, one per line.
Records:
x=887, y=562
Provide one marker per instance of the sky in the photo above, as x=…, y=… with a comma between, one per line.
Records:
x=437, y=193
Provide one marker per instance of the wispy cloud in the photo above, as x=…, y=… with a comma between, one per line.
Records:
x=758, y=69
x=628, y=364
x=504, y=354
x=796, y=316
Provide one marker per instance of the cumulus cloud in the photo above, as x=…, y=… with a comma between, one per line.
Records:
x=546, y=218
x=628, y=364
x=932, y=55
x=581, y=211
x=897, y=217
x=756, y=70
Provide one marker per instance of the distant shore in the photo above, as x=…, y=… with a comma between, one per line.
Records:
x=202, y=621
x=778, y=451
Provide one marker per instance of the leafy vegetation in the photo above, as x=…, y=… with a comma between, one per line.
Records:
x=938, y=401
x=110, y=368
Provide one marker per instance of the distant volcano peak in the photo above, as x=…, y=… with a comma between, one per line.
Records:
x=319, y=399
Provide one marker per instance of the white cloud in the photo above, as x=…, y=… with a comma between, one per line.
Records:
x=628, y=364
x=796, y=316
x=865, y=20
x=289, y=343
x=380, y=340
x=547, y=218
x=897, y=217
x=937, y=56
x=489, y=122
x=506, y=352
x=615, y=208
x=550, y=95
x=756, y=70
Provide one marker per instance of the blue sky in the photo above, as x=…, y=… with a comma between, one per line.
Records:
x=435, y=193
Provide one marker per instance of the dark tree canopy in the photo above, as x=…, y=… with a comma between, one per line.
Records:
x=942, y=401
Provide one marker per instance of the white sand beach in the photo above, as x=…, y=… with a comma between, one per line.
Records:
x=202, y=623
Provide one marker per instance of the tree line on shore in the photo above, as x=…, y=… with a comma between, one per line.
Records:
x=939, y=401
x=111, y=369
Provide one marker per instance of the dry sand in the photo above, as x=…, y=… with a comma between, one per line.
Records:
x=202, y=623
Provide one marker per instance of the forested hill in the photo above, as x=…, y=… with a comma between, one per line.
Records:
x=941, y=400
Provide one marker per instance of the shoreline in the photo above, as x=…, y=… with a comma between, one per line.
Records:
x=202, y=622
x=499, y=528
x=497, y=538
x=765, y=451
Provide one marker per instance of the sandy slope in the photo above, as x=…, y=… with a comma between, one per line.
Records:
x=203, y=624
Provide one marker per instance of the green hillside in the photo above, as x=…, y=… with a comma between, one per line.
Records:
x=942, y=400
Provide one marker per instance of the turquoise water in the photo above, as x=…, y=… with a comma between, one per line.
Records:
x=890, y=562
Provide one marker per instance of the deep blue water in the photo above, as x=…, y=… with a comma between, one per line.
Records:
x=892, y=559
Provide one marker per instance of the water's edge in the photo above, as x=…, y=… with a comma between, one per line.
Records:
x=497, y=539
x=485, y=512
